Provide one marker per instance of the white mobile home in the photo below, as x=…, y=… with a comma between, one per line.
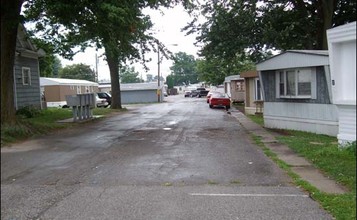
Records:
x=297, y=92
x=342, y=49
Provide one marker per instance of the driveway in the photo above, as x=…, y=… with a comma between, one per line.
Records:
x=174, y=160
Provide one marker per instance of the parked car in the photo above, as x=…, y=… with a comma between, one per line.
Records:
x=220, y=100
x=187, y=93
x=209, y=95
x=106, y=96
x=195, y=93
x=101, y=102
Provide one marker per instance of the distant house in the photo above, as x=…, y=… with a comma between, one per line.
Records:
x=297, y=92
x=234, y=87
x=56, y=89
x=253, y=93
x=342, y=49
x=137, y=92
x=26, y=72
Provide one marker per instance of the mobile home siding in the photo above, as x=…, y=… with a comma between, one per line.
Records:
x=138, y=96
x=27, y=95
x=322, y=92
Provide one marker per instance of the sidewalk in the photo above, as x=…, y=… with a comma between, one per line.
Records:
x=299, y=165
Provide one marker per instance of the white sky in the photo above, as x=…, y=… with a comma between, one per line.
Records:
x=167, y=27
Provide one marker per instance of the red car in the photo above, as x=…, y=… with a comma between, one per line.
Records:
x=219, y=100
x=209, y=95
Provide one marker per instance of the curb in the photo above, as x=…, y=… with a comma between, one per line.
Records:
x=299, y=165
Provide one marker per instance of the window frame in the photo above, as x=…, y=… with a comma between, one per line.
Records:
x=28, y=77
x=278, y=73
x=258, y=90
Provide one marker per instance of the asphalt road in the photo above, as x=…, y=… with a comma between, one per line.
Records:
x=174, y=160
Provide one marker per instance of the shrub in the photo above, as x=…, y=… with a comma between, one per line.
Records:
x=28, y=112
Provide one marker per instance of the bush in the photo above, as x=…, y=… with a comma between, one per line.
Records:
x=28, y=112
x=351, y=147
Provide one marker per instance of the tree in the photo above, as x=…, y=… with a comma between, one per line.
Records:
x=213, y=71
x=184, y=69
x=50, y=64
x=77, y=71
x=10, y=19
x=129, y=75
x=251, y=28
x=117, y=26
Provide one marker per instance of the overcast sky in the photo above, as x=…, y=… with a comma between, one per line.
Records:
x=167, y=27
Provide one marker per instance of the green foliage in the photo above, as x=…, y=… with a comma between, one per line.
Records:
x=214, y=70
x=259, y=119
x=129, y=75
x=28, y=112
x=50, y=64
x=251, y=28
x=77, y=71
x=183, y=70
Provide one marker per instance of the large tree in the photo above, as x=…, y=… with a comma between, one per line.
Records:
x=10, y=19
x=250, y=28
x=184, y=69
x=77, y=71
x=129, y=75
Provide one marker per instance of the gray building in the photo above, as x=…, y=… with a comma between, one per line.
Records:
x=297, y=92
x=26, y=72
x=137, y=92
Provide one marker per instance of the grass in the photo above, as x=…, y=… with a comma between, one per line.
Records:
x=257, y=119
x=41, y=122
x=323, y=152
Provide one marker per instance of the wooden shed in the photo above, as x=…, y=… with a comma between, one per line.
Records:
x=253, y=93
x=234, y=87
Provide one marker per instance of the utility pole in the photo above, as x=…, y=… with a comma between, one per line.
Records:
x=158, y=73
x=96, y=68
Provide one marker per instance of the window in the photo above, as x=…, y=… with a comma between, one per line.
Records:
x=240, y=86
x=26, y=76
x=78, y=89
x=258, y=91
x=296, y=83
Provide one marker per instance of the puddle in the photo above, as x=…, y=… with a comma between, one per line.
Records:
x=167, y=129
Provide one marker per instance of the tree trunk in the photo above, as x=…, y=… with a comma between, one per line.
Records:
x=113, y=63
x=325, y=10
x=10, y=18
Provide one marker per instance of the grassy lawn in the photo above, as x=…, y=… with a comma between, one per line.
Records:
x=323, y=152
x=257, y=119
x=31, y=123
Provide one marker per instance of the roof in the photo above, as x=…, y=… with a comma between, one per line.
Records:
x=134, y=86
x=295, y=59
x=249, y=74
x=24, y=46
x=232, y=77
x=44, y=81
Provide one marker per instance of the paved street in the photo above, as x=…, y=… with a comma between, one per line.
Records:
x=174, y=160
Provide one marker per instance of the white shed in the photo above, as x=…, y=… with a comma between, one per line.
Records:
x=342, y=49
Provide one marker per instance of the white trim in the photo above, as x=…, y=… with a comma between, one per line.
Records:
x=28, y=75
x=313, y=87
x=261, y=85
